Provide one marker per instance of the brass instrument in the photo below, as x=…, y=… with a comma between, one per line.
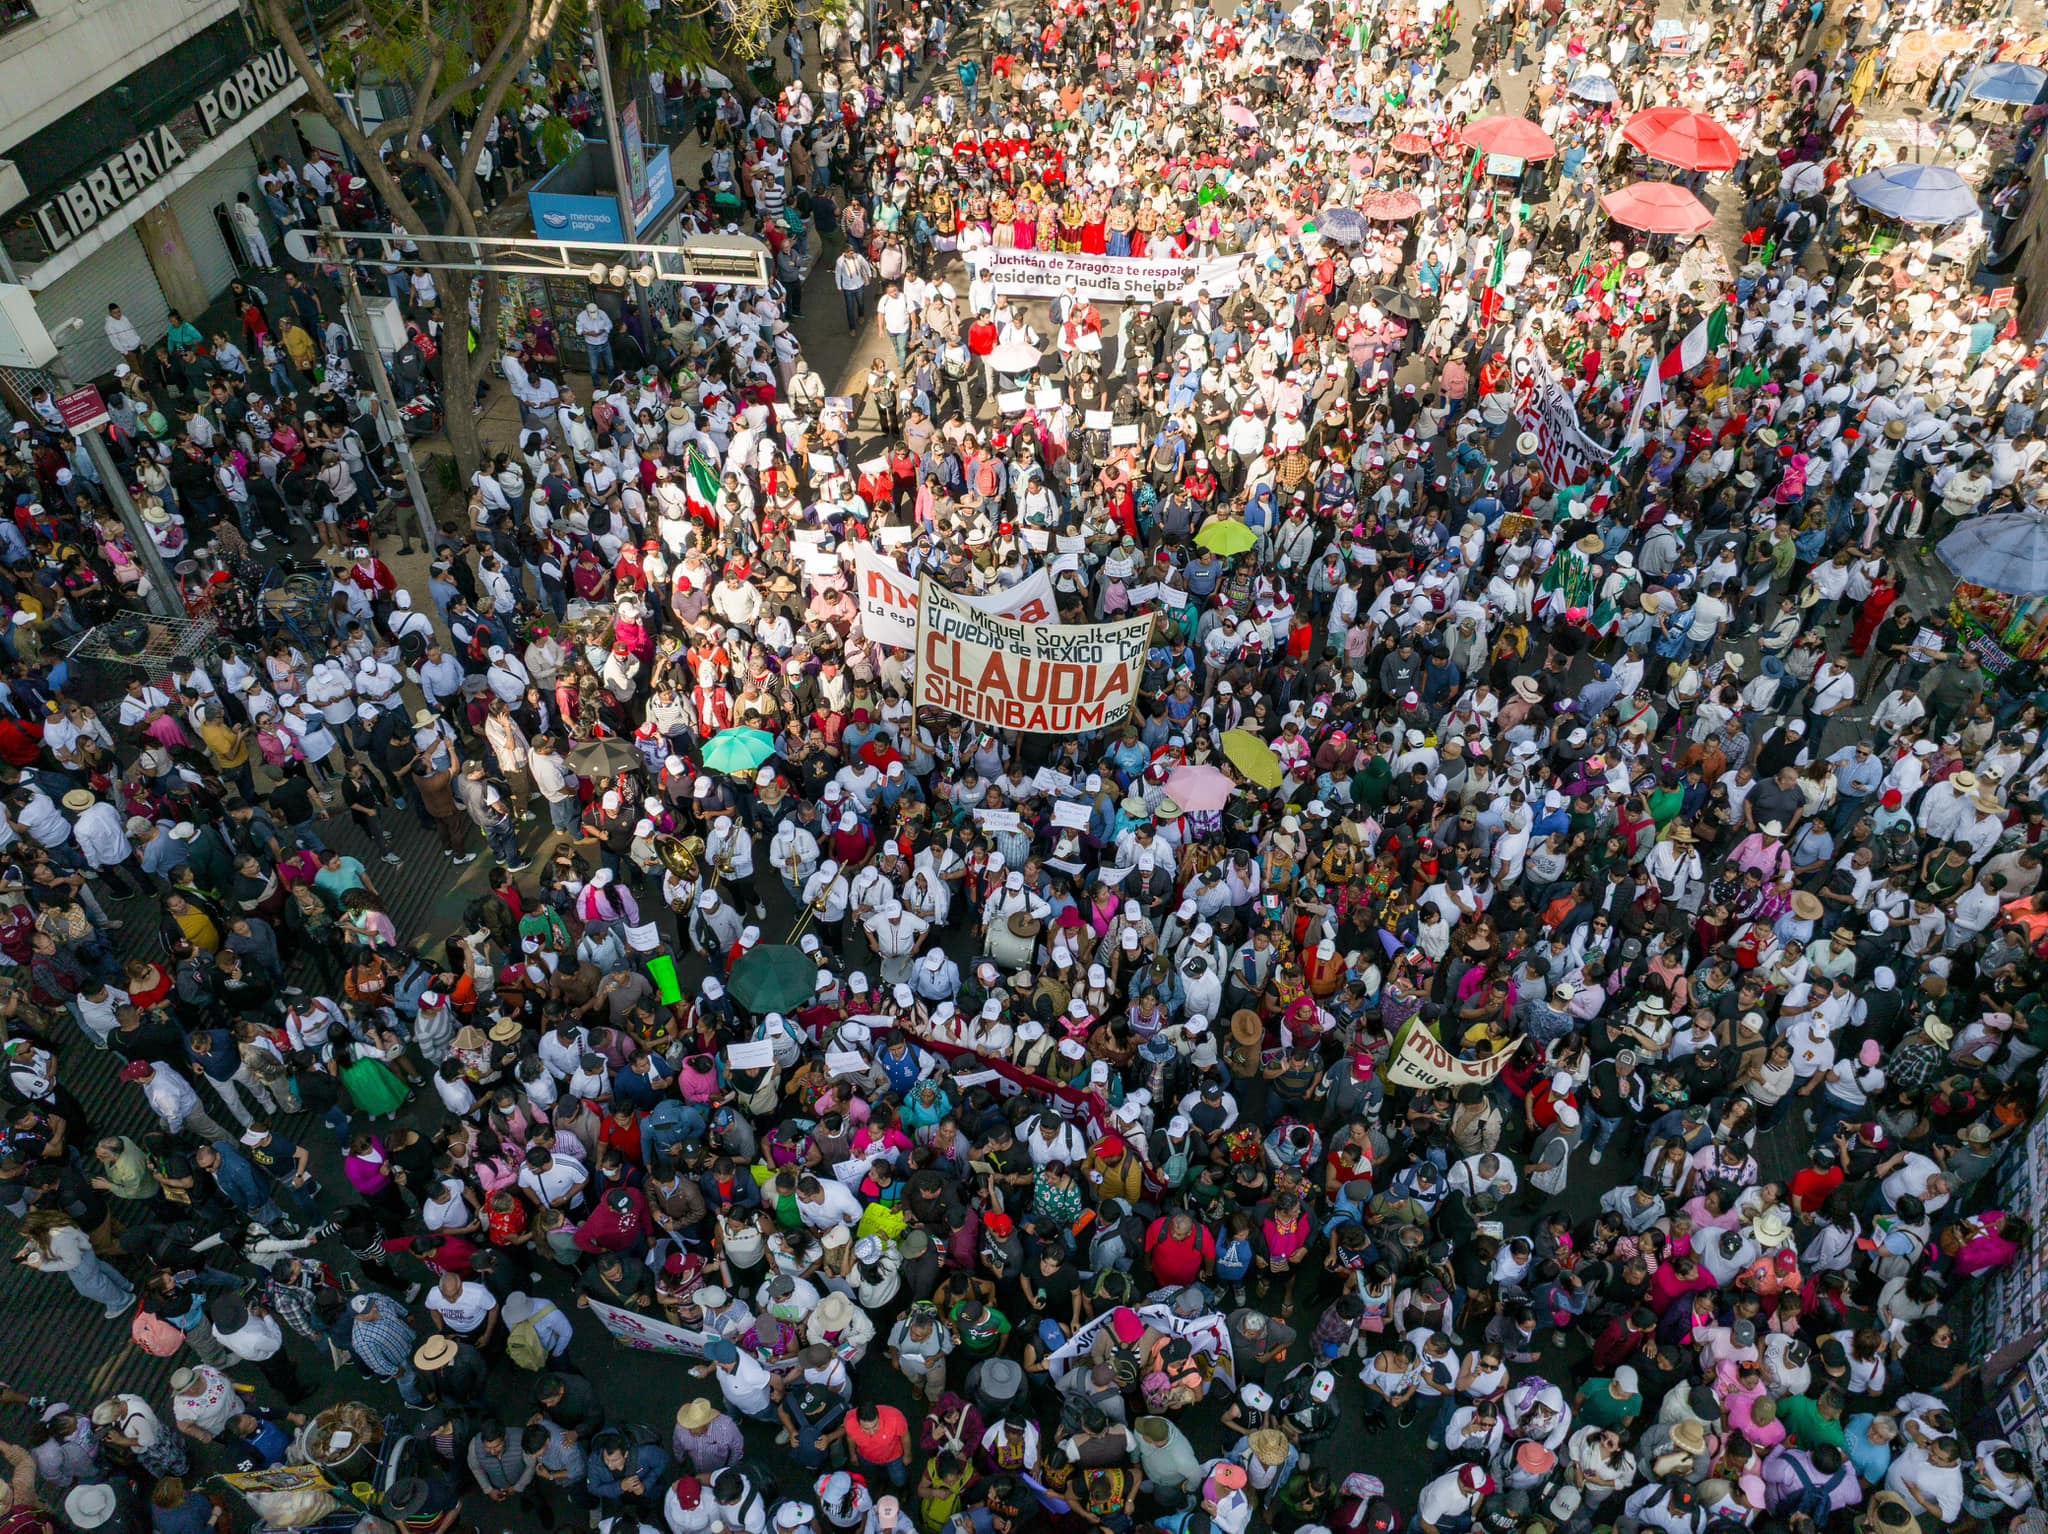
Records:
x=680, y=855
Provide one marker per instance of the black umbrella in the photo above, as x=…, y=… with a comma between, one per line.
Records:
x=1299, y=45
x=1397, y=302
x=1267, y=84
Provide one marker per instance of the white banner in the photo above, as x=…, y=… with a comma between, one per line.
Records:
x=1543, y=405
x=888, y=599
x=1202, y=1334
x=647, y=1333
x=1045, y=678
x=1119, y=279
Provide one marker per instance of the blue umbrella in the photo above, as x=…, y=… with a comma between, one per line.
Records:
x=1346, y=226
x=1351, y=115
x=2015, y=84
x=1595, y=88
x=1916, y=194
x=2005, y=551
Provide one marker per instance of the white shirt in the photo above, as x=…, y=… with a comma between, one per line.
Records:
x=102, y=836
x=469, y=1309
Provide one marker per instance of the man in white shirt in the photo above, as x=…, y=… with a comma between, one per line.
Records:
x=464, y=1309
x=103, y=838
x=594, y=328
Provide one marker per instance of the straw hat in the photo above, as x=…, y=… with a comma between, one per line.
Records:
x=1527, y=444
x=695, y=1416
x=1526, y=689
x=1807, y=907
x=1590, y=544
x=79, y=800
x=1247, y=1029
x=1770, y=1230
x=434, y=1353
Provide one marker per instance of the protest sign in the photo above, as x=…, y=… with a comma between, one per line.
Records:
x=750, y=1055
x=1418, y=1060
x=1070, y=815
x=646, y=1333
x=1107, y=279
x=1044, y=678
x=1544, y=406
x=888, y=599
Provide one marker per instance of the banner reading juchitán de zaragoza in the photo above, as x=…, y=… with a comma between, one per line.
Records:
x=1045, y=678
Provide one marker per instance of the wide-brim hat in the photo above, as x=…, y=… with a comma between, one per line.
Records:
x=434, y=1353
x=1807, y=907
x=1247, y=1028
x=1590, y=544
x=79, y=800
x=1526, y=689
x=695, y=1416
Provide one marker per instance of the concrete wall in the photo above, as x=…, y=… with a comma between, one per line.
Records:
x=78, y=48
x=2030, y=272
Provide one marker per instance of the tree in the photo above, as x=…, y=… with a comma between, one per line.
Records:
x=449, y=55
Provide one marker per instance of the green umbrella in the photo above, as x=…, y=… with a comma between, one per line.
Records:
x=1227, y=537
x=739, y=749
x=772, y=979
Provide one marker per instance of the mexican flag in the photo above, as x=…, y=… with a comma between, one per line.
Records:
x=1489, y=299
x=701, y=484
x=1700, y=343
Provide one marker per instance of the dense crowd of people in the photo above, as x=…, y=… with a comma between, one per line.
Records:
x=1071, y=1162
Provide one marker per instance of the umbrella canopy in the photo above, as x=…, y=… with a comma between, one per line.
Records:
x=1391, y=207
x=1515, y=136
x=740, y=749
x=1689, y=140
x=2013, y=83
x=1299, y=45
x=1252, y=757
x=1916, y=194
x=602, y=758
x=1227, y=537
x=1396, y=302
x=1408, y=143
x=772, y=979
x=1344, y=225
x=1595, y=88
x=1657, y=207
x=1199, y=789
x=1015, y=357
x=1240, y=117
x=1351, y=114
x=2006, y=551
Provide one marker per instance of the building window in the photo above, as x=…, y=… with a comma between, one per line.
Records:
x=15, y=13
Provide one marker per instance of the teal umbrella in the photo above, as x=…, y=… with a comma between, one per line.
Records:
x=772, y=979
x=739, y=749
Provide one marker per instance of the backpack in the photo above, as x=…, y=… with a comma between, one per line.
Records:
x=524, y=1345
x=1812, y=1499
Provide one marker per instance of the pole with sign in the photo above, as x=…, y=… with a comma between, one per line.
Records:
x=84, y=415
x=380, y=381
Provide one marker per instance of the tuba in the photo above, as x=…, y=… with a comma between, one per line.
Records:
x=680, y=855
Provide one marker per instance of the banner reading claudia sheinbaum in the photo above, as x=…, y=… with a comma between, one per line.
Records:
x=1044, y=678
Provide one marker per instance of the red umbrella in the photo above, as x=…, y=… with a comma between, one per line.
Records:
x=1657, y=207
x=1689, y=140
x=1409, y=143
x=1391, y=207
x=1515, y=136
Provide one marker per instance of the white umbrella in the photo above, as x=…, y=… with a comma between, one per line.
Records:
x=1015, y=357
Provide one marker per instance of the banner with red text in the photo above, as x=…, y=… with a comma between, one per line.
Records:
x=1107, y=279
x=1418, y=1060
x=1044, y=678
x=1543, y=405
x=888, y=599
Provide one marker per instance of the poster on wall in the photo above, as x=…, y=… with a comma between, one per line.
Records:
x=1042, y=678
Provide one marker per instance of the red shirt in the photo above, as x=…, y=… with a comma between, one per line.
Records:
x=1178, y=1262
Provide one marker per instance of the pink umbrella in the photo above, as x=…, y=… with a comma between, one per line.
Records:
x=1391, y=207
x=1199, y=790
x=1240, y=117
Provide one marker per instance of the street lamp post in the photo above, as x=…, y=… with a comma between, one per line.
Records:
x=380, y=380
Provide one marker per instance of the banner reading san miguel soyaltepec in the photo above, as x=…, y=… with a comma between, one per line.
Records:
x=1045, y=678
